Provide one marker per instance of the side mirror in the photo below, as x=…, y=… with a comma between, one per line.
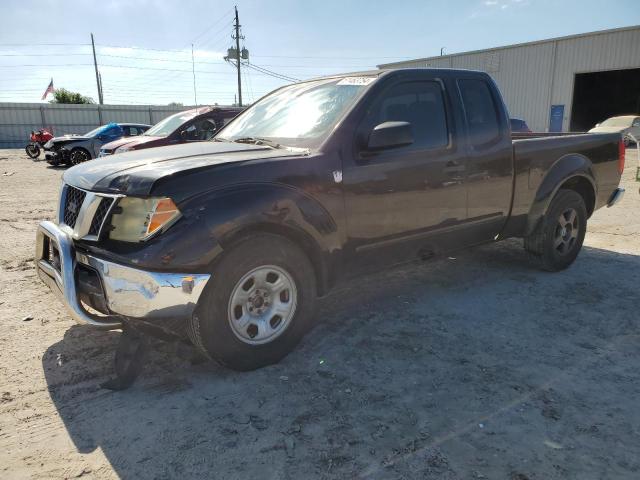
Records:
x=183, y=134
x=390, y=135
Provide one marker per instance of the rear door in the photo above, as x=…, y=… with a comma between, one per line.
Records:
x=489, y=164
x=399, y=200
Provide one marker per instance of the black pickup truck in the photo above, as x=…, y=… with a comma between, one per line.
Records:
x=229, y=242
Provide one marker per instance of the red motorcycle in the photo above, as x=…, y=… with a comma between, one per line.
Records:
x=38, y=139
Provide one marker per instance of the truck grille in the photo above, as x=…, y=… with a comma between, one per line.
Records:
x=72, y=203
x=85, y=212
x=101, y=214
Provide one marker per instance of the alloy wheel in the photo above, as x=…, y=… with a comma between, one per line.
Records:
x=566, y=232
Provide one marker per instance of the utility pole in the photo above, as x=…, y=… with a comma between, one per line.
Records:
x=100, y=78
x=95, y=64
x=237, y=38
x=193, y=68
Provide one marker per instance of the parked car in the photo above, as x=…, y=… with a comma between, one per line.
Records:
x=230, y=241
x=518, y=125
x=189, y=126
x=75, y=149
x=627, y=125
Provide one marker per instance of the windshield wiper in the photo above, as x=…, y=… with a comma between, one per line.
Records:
x=257, y=141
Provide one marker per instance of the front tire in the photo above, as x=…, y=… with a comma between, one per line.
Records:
x=257, y=305
x=557, y=241
x=32, y=150
x=78, y=156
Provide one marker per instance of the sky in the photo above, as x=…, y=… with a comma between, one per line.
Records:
x=144, y=47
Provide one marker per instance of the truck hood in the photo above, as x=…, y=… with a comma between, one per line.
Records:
x=133, y=142
x=136, y=172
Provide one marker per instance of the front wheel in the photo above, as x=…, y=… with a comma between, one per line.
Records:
x=257, y=305
x=556, y=242
x=32, y=150
x=78, y=155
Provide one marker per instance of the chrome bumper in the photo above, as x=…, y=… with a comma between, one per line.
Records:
x=616, y=196
x=129, y=292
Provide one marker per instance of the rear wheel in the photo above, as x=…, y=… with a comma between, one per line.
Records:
x=257, y=305
x=78, y=155
x=557, y=240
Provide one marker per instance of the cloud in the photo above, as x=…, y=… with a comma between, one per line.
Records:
x=504, y=4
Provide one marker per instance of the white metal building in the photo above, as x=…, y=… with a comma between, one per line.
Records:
x=560, y=84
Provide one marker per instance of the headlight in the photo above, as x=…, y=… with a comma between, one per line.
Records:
x=138, y=219
x=122, y=149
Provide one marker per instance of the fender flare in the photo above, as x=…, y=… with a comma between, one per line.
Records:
x=238, y=211
x=566, y=168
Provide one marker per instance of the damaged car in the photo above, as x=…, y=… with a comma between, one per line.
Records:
x=75, y=149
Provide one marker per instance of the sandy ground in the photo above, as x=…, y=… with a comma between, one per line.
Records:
x=470, y=367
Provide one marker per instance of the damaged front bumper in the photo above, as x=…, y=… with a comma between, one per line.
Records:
x=102, y=293
x=56, y=157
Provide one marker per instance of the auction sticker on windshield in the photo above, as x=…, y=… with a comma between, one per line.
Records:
x=356, y=81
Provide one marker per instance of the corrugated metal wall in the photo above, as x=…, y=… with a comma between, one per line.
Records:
x=525, y=73
x=17, y=120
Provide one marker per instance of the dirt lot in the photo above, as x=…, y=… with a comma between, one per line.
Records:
x=470, y=367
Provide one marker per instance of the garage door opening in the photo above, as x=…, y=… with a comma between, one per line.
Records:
x=600, y=95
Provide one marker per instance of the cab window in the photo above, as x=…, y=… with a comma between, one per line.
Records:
x=481, y=112
x=419, y=103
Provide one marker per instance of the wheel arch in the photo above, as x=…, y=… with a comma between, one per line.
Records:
x=571, y=172
x=245, y=210
x=298, y=237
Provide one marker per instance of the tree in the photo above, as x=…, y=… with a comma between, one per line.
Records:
x=62, y=95
x=175, y=104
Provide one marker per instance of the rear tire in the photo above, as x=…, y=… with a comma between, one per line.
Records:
x=558, y=238
x=273, y=278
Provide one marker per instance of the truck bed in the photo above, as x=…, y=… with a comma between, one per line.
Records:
x=535, y=155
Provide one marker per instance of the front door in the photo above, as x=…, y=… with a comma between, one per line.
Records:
x=398, y=201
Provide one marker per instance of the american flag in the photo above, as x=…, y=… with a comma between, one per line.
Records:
x=48, y=90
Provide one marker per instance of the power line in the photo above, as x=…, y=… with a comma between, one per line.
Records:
x=42, y=54
x=43, y=44
x=213, y=25
x=329, y=57
x=49, y=65
x=264, y=71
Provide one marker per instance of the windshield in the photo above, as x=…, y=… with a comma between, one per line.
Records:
x=300, y=115
x=617, y=122
x=99, y=130
x=168, y=125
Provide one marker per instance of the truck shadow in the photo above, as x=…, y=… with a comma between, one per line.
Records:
x=422, y=370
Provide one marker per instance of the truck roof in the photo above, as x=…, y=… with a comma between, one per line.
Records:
x=391, y=71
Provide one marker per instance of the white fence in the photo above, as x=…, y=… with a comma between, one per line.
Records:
x=17, y=120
